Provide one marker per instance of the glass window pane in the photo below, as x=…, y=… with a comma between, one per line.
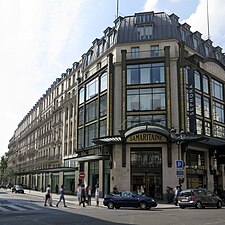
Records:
x=81, y=95
x=197, y=80
x=205, y=84
x=217, y=89
x=198, y=104
x=104, y=82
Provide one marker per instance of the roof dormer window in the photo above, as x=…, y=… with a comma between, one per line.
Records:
x=144, y=18
x=144, y=32
x=195, y=42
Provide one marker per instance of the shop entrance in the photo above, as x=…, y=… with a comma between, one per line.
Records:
x=146, y=171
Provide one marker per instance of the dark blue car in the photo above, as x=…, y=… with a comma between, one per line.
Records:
x=128, y=199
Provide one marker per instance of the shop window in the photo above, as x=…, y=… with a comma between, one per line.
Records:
x=104, y=82
x=205, y=84
x=198, y=104
x=103, y=105
x=197, y=80
x=92, y=89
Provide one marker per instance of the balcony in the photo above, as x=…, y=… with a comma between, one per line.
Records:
x=145, y=54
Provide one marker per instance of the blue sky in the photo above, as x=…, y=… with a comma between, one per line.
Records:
x=40, y=39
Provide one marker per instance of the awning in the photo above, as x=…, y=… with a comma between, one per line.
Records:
x=91, y=158
x=107, y=140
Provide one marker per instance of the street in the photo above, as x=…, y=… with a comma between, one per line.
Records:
x=27, y=209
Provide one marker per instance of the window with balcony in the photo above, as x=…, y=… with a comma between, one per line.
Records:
x=154, y=49
x=135, y=52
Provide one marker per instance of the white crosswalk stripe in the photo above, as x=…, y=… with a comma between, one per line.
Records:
x=10, y=207
x=2, y=209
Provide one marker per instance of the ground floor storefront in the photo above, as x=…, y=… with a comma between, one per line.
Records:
x=145, y=161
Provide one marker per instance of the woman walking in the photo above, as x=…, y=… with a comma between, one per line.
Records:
x=48, y=196
x=97, y=195
x=62, y=197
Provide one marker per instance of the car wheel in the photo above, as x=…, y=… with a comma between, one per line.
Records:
x=182, y=207
x=143, y=205
x=219, y=205
x=198, y=205
x=110, y=205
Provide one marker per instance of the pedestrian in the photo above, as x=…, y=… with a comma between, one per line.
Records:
x=83, y=195
x=48, y=196
x=79, y=193
x=177, y=191
x=61, y=197
x=115, y=190
x=88, y=190
x=97, y=195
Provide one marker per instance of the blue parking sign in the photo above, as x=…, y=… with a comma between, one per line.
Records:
x=179, y=164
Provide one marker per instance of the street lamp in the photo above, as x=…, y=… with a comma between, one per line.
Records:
x=178, y=139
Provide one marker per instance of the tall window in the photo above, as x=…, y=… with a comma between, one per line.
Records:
x=198, y=104
x=205, y=84
x=206, y=107
x=135, y=54
x=103, y=128
x=81, y=95
x=90, y=134
x=218, y=112
x=91, y=111
x=103, y=105
x=104, y=82
x=197, y=80
x=92, y=89
x=146, y=99
x=154, y=50
x=217, y=89
x=145, y=74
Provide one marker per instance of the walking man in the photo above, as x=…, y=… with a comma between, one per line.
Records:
x=61, y=197
x=83, y=195
x=48, y=196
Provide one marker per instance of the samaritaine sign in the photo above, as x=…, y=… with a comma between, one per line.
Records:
x=146, y=138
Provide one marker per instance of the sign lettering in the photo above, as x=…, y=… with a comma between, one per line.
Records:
x=146, y=137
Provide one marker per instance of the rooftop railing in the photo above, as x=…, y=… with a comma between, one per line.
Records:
x=146, y=54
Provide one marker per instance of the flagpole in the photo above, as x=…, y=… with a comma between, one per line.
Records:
x=208, y=18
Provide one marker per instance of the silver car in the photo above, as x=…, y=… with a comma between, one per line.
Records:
x=198, y=198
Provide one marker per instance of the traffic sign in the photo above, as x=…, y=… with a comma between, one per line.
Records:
x=180, y=173
x=81, y=175
x=179, y=164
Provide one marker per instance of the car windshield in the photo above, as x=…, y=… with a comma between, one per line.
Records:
x=185, y=193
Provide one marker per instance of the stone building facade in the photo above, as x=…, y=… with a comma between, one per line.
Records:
x=143, y=107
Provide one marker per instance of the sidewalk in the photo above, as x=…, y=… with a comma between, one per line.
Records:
x=73, y=200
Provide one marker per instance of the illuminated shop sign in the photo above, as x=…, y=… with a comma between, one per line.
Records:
x=146, y=138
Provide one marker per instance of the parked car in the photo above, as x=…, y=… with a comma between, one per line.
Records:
x=128, y=199
x=198, y=198
x=17, y=189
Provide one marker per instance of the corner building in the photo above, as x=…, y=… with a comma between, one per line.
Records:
x=144, y=98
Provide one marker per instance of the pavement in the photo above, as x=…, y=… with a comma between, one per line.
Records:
x=72, y=199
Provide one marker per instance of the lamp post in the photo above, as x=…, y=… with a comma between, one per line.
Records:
x=178, y=139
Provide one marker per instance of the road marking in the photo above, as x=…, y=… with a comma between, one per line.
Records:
x=2, y=209
x=8, y=208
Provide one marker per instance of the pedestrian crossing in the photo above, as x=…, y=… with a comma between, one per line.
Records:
x=16, y=208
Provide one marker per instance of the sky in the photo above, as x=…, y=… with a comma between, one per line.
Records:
x=40, y=39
